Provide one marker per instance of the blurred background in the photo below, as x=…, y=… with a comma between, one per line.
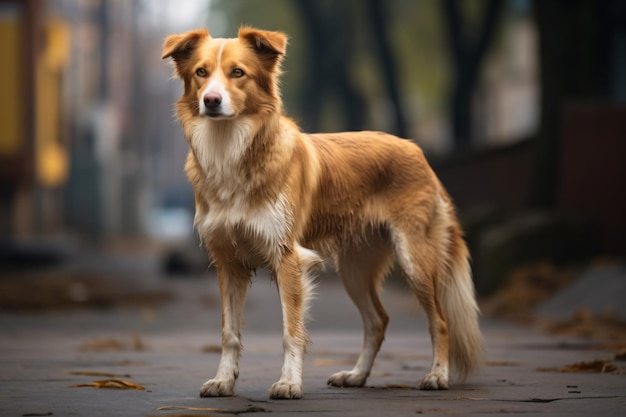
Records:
x=520, y=106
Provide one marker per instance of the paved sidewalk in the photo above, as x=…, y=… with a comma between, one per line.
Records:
x=173, y=349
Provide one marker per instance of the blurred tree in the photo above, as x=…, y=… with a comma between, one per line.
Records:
x=379, y=18
x=468, y=51
x=333, y=46
x=574, y=63
x=330, y=35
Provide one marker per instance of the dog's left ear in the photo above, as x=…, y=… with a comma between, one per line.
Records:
x=269, y=46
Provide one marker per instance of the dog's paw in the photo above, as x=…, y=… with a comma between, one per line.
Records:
x=435, y=380
x=218, y=388
x=286, y=390
x=347, y=379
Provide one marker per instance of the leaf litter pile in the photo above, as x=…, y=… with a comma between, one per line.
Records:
x=530, y=285
x=113, y=381
x=64, y=288
x=589, y=367
x=525, y=289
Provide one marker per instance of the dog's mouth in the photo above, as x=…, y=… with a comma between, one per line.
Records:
x=217, y=115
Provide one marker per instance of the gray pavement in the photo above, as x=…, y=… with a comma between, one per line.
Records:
x=171, y=350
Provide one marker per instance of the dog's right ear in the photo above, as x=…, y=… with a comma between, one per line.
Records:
x=179, y=47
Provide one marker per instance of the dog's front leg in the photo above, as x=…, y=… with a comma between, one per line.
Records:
x=294, y=287
x=234, y=282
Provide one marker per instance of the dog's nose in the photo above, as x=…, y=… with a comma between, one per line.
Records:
x=212, y=100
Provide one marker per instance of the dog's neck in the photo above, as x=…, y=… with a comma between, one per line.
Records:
x=222, y=146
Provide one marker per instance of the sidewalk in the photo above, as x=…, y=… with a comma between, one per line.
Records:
x=172, y=349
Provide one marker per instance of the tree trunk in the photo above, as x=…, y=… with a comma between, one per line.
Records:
x=379, y=17
x=467, y=58
x=329, y=25
x=573, y=62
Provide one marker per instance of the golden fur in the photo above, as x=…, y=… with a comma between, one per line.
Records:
x=269, y=196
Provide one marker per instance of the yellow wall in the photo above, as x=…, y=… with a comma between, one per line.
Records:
x=11, y=110
x=51, y=156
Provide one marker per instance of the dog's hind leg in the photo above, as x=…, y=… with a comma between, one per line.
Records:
x=436, y=262
x=419, y=259
x=362, y=270
x=234, y=281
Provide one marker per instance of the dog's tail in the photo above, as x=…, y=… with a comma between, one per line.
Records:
x=458, y=300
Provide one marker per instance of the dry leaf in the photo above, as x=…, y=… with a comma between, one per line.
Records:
x=250, y=409
x=129, y=363
x=183, y=414
x=332, y=362
x=137, y=342
x=502, y=363
x=595, y=366
x=93, y=373
x=212, y=349
x=99, y=345
x=470, y=399
x=111, y=383
x=105, y=345
x=397, y=386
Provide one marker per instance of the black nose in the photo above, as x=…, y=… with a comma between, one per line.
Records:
x=212, y=100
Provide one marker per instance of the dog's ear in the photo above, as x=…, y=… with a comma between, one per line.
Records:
x=179, y=47
x=269, y=46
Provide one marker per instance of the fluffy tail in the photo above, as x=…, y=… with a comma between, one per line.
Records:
x=458, y=300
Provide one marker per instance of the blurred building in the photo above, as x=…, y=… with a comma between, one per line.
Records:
x=87, y=144
x=33, y=154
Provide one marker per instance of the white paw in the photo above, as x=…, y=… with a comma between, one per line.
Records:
x=286, y=390
x=218, y=388
x=347, y=379
x=435, y=380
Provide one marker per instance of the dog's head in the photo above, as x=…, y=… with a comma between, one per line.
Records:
x=225, y=78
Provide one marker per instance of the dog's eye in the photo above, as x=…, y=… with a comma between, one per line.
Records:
x=201, y=72
x=238, y=73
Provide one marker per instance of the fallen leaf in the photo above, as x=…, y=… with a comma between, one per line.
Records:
x=502, y=363
x=251, y=409
x=212, y=349
x=137, y=342
x=93, y=373
x=469, y=399
x=332, y=362
x=396, y=386
x=111, y=383
x=595, y=366
x=104, y=345
x=129, y=363
x=184, y=414
x=621, y=355
x=99, y=345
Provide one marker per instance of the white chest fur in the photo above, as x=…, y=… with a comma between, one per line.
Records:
x=268, y=224
x=219, y=149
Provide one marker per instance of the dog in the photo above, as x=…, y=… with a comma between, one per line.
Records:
x=270, y=196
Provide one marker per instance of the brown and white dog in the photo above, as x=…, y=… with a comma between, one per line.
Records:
x=269, y=196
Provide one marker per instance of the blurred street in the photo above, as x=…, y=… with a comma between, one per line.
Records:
x=170, y=345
